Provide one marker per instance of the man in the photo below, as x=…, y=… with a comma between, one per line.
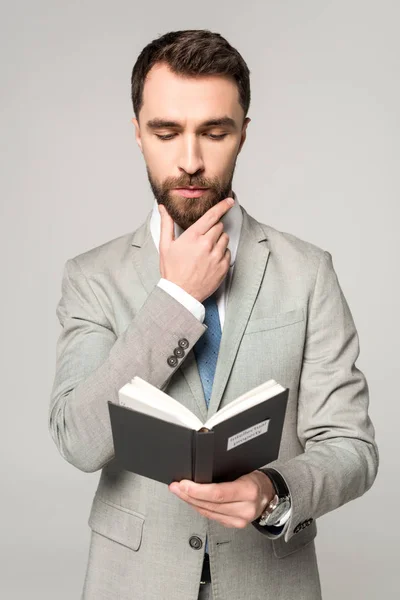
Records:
x=205, y=302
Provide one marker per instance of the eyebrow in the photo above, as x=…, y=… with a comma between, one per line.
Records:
x=217, y=122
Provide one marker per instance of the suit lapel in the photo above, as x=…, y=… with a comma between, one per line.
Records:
x=251, y=261
x=250, y=264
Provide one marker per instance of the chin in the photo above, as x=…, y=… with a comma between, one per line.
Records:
x=186, y=211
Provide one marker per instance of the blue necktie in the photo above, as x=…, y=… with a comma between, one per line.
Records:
x=206, y=349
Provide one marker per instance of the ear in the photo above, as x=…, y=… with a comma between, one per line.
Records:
x=243, y=137
x=137, y=133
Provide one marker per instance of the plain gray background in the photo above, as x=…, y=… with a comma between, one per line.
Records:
x=319, y=162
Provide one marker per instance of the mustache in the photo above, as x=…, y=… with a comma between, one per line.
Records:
x=185, y=182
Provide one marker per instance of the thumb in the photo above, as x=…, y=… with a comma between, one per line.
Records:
x=167, y=232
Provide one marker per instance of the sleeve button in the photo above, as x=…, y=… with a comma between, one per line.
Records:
x=179, y=352
x=172, y=361
x=183, y=343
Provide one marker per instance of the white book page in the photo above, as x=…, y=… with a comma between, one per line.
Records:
x=266, y=390
x=146, y=398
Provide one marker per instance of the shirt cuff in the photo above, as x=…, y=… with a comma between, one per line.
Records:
x=281, y=526
x=284, y=519
x=196, y=308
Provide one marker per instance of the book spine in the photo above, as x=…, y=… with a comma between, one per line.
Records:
x=203, y=456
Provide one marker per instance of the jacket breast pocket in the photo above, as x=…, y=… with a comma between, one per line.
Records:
x=263, y=323
x=296, y=542
x=116, y=523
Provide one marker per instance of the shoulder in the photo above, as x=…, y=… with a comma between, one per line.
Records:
x=293, y=245
x=290, y=249
x=106, y=257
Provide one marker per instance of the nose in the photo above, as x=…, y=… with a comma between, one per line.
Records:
x=190, y=157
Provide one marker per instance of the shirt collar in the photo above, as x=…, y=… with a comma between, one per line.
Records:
x=232, y=221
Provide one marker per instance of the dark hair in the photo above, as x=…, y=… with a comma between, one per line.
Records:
x=191, y=52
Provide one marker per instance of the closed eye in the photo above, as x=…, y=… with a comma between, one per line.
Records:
x=170, y=136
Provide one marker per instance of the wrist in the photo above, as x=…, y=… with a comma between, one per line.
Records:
x=279, y=507
x=277, y=481
x=267, y=490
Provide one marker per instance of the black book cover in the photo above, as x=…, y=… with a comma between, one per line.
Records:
x=168, y=452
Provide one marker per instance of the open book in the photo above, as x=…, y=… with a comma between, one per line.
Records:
x=156, y=436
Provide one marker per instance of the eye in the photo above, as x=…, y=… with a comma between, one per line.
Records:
x=170, y=136
x=165, y=137
x=218, y=137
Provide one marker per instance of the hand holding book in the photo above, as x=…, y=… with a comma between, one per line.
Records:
x=233, y=503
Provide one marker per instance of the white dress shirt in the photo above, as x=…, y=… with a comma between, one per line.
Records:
x=232, y=221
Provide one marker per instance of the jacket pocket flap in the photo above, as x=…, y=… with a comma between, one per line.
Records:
x=299, y=540
x=275, y=321
x=116, y=523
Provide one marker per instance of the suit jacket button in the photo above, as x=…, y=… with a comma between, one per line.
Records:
x=195, y=542
x=172, y=361
x=297, y=528
x=179, y=352
x=183, y=343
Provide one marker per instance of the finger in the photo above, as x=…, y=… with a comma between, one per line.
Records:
x=222, y=245
x=215, y=232
x=167, y=232
x=228, y=491
x=212, y=216
x=237, y=522
x=227, y=256
x=229, y=509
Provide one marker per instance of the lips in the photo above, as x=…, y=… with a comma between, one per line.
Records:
x=191, y=192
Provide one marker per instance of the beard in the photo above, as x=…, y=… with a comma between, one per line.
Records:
x=186, y=211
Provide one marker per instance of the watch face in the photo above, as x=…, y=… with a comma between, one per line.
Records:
x=279, y=511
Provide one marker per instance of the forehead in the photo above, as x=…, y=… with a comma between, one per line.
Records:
x=166, y=94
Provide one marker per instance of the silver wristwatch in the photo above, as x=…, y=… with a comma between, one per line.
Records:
x=280, y=503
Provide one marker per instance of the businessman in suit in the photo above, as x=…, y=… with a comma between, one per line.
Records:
x=205, y=302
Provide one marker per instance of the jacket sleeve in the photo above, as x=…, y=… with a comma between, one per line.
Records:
x=195, y=307
x=92, y=364
x=340, y=458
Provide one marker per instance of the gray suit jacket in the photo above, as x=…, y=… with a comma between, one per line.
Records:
x=286, y=319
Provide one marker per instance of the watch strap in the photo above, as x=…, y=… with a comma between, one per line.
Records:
x=277, y=480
